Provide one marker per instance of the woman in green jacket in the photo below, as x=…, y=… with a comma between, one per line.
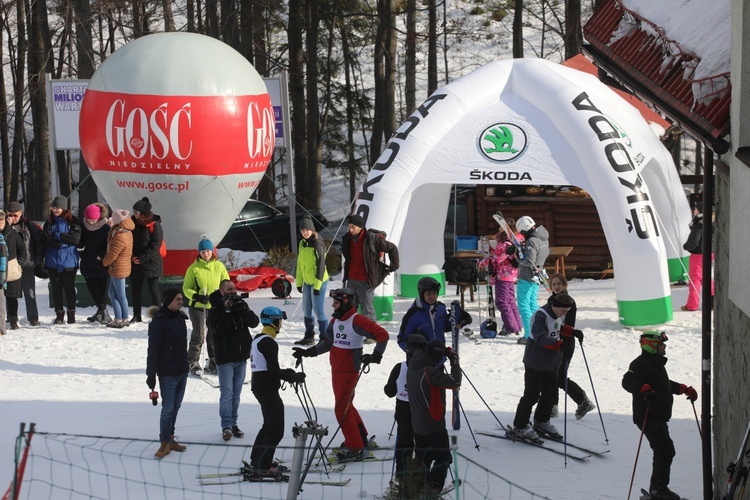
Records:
x=312, y=279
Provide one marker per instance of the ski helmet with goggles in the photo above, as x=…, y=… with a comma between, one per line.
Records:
x=343, y=295
x=427, y=284
x=414, y=342
x=271, y=315
x=524, y=224
x=651, y=339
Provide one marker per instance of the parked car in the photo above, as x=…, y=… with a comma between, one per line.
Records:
x=259, y=226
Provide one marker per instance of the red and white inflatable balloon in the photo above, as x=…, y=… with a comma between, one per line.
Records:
x=185, y=120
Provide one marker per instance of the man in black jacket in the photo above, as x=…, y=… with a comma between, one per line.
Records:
x=647, y=380
x=364, y=268
x=167, y=358
x=31, y=234
x=231, y=319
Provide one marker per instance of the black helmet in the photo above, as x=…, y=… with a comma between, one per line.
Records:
x=414, y=342
x=343, y=295
x=427, y=284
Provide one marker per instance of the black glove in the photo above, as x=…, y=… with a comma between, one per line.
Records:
x=299, y=289
x=151, y=382
x=301, y=352
x=316, y=292
x=376, y=357
x=240, y=306
x=465, y=318
x=451, y=355
x=288, y=374
x=298, y=378
x=579, y=335
x=510, y=250
x=199, y=297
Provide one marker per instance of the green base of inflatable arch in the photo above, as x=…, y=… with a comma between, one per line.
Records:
x=677, y=269
x=645, y=312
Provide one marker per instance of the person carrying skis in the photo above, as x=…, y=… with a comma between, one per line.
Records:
x=396, y=387
x=536, y=251
x=266, y=382
x=559, y=284
x=428, y=383
x=542, y=361
x=647, y=380
x=427, y=315
x=503, y=266
x=344, y=338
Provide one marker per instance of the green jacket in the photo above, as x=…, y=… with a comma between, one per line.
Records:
x=311, y=263
x=203, y=278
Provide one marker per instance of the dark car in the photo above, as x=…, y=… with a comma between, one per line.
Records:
x=259, y=227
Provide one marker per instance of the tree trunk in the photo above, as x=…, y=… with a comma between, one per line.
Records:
x=311, y=197
x=212, y=19
x=348, y=92
x=256, y=45
x=518, y=30
x=391, y=60
x=432, y=78
x=168, y=16
x=297, y=95
x=379, y=77
x=140, y=20
x=410, y=64
x=191, y=17
x=4, y=128
x=573, y=34
x=19, y=130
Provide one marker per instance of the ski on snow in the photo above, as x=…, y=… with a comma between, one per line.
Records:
x=283, y=478
x=315, y=470
x=539, y=444
x=645, y=495
x=598, y=453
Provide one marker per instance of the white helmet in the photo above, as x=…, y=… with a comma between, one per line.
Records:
x=525, y=223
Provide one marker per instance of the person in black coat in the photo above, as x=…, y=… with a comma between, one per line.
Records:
x=16, y=255
x=167, y=358
x=147, y=262
x=92, y=248
x=31, y=235
x=231, y=319
x=647, y=380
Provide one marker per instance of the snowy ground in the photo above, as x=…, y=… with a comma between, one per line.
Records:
x=85, y=379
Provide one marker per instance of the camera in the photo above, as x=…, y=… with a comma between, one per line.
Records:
x=235, y=300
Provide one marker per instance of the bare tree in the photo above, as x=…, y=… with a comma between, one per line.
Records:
x=432, y=80
x=518, y=29
x=19, y=131
x=573, y=33
x=4, y=128
x=410, y=63
x=297, y=94
x=168, y=16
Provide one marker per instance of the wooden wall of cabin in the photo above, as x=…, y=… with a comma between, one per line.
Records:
x=570, y=222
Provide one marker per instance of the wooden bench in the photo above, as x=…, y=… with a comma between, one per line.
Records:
x=567, y=268
x=461, y=289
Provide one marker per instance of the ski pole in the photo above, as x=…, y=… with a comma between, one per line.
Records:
x=638, y=451
x=480, y=397
x=565, y=417
x=471, y=431
x=593, y=390
x=697, y=422
x=390, y=434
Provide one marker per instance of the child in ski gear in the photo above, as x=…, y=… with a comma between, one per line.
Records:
x=31, y=235
x=559, y=284
x=364, y=268
x=92, y=247
x=427, y=384
x=536, y=251
x=694, y=245
x=503, y=266
x=167, y=358
x=647, y=380
x=541, y=361
x=148, y=266
x=312, y=279
x=202, y=279
x=230, y=320
x=396, y=387
x=61, y=232
x=266, y=382
x=344, y=337
x=427, y=315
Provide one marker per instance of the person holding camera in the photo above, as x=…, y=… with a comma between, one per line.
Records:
x=202, y=279
x=266, y=382
x=344, y=338
x=230, y=320
x=427, y=382
x=167, y=358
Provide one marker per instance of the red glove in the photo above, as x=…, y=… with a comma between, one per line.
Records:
x=648, y=392
x=691, y=393
x=566, y=331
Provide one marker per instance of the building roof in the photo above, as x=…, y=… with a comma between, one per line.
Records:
x=639, y=55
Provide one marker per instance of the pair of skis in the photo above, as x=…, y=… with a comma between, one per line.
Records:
x=239, y=477
x=540, y=273
x=585, y=454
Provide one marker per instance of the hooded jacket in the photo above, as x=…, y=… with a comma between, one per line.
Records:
x=60, y=236
x=147, y=240
x=427, y=385
x=536, y=251
x=203, y=277
x=419, y=319
x=650, y=369
x=167, y=342
x=120, y=249
x=311, y=263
